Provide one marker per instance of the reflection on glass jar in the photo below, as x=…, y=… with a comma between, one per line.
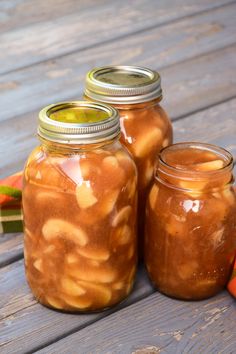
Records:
x=145, y=126
x=79, y=203
x=191, y=221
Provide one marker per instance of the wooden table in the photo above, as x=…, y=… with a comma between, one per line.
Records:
x=46, y=49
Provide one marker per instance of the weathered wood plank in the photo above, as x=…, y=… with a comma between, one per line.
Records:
x=39, y=85
x=14, y=294
x=21, y=316
x=167, y=325
x=215, y=125
x=11, y=248
x=15, y=14
x=188, y=86
x=25, y=325
x=49, y=39
x=14, y=290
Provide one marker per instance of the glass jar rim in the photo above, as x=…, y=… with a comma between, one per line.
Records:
x=204, y=146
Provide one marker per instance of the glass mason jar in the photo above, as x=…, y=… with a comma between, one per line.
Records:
x=191, y=221
x=79, y=204
x=145, y=127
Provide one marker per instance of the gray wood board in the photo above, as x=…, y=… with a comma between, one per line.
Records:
x=193, y=85
x=161, y=324
x=26, y=325
x=11, y=248
x=52, y=81
x=215, y=125
x=103, y=22
x=16, y=14
x=188, y=86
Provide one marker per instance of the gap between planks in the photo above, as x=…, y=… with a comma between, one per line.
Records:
x=183, y=116
x=169, y=325
x=192, y=86
x=105, y=315
x=171, y=18
x=49, y=82
x=43, y=318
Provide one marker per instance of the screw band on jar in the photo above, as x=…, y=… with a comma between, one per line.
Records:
x=78, y=122
x=123, y=84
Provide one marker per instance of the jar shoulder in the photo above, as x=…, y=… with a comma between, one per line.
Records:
x=149, y=112
x=111, y=163
x=145, y=130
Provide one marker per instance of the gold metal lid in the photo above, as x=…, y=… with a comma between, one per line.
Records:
x=78, y=122
x=123, y=84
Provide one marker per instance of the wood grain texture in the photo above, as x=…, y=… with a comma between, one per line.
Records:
x=11, y=248
x=16, y=14
x=215, y=125
x=14, y=294
x=167, y=325
x=63, y=78
x=49, y=52
x=103, y=22
x=27, y=317
x=26, y=325
x=188, y=86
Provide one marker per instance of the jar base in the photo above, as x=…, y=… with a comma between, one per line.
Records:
x=187, y=298
x=85, y=311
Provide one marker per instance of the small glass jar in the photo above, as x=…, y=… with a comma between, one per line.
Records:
x=191, y=221
x=145, y=127
x=79, y=204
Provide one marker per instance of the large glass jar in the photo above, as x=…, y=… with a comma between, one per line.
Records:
x=191, y=221
x=145, y=126
x=79, y=203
